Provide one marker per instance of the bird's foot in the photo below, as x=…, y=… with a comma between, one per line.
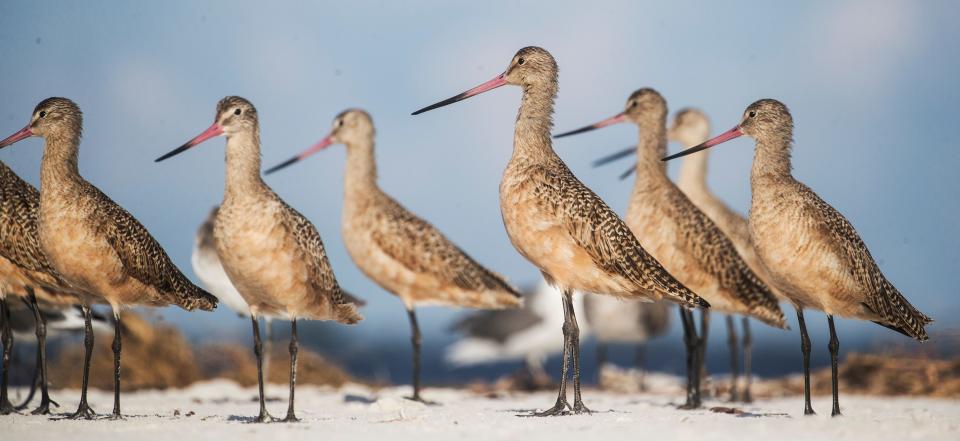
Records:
x=809, y=411
x=689, y=405
x=836, y=413
x=579, y=407
x=84, y=412
x=6, y=408
x=420, y=399
x=42, y=409
x=264, y=417
x=291, y=418
x=559, y=409
x=116, y=416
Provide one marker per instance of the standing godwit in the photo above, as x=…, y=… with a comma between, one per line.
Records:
x=683, y=238
x=26, y=270
x=691, y=127
x=559, y=224
x=206, y=265
x=813, y=254
x=93, y=243
x=271, y=253
x=528, y=333
x=624, y=321
x=401, y=252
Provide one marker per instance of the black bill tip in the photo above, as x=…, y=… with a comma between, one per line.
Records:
x=615, y=156
x=445, y=102
x=174, y=152
x=282, y=165
x=577, y=131
x=686, y=152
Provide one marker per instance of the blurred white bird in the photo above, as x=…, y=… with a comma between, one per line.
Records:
x=528, y=333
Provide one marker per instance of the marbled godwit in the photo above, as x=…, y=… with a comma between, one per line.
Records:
x=271, y=253
x=559, y=224
x=207, y=267
x=813, y=254
x=401, y=252
x=625, y=321
x=25, y=268
x=528, y=333
x=93, y=243
x=691, y=127
x=683, y=238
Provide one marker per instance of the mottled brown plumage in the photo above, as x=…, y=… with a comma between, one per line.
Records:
x=396, y=248
x=94, y=244
x=19, y=237
x=815, y=256
x=681, y=236
x=691, y=127
x=609, y=258
x=558, y=224
x=271, y=252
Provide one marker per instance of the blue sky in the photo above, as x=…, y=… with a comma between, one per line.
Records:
x=872, y=87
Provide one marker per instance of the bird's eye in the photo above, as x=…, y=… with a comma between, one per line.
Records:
x=339, y=123
x=43, y=113
x=521, y=61
x=633, y=104
x=752, y=113
x=237, y=112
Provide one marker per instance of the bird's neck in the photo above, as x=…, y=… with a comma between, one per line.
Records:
x=651, y=148
x=60, y=161
x=771, y=161
x=360, y=175
x=531, y=136
x=243, y=163
x=693, y=172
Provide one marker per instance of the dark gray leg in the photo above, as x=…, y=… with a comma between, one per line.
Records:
x=6, y=407
x=734, y=365
x=41, y=327
x=641, y=362
x=84, y=411
x=291, y=416
x=116, y=365
x=834, y=356
x=601, y=357
x=690, y=341
x=560, y=408
x=416, y=340
x=264, y=416
x=267, y=346
x=578, y=406
x=747, y=360
x=701, y=354
x=805, y=348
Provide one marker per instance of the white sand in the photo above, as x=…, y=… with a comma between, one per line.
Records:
x=219, y=411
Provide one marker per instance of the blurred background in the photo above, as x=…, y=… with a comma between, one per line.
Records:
x=872, y=86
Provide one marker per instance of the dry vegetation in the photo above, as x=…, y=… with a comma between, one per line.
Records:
x=157, y=356
x=871, y=374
